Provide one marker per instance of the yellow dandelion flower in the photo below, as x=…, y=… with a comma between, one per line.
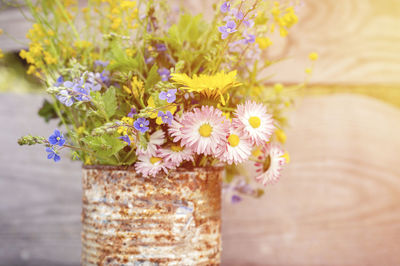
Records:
x=1, y=31
x=211, y=86
x=1, y=53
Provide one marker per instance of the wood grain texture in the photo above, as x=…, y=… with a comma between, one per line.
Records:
x=358, y=40
x=338, y=202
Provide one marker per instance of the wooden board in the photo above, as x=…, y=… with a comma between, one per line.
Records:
x=338, y=202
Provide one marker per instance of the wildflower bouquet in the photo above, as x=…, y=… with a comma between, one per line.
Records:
x=136, y=83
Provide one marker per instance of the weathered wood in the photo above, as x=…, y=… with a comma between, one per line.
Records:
x=338, y=202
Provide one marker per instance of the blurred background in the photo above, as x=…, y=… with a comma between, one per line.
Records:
x=338, y=202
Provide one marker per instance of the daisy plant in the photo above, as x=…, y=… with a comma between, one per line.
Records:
x=136, y=83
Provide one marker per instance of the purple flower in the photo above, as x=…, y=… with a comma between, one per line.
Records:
x=100, y=63
x=52, y=154
x=236, y=199
x=166, y=117
x=248, y=23
x=141, y=124
x=82, y=92
x=65, y=98
x=126, y=139
x=57, y=138
x=225, y=7
x=132, y=112
x=149, y=60
x=237, y=13
x=164, y=73
x=249, y=38
x=94, y=80
x=168, y=95
x=161, y=47
x=229, y=28
x=59, y=81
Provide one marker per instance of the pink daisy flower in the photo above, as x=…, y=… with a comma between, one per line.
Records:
x=237, y=149
x=175, y=127
x=254, y=121
x=270, y=163
x=151, y=165
x=204, y=130
x=156, y=139
x=176, y=154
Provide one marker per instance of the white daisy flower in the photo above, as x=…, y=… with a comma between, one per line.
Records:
x=237, y=149
x=270, y=163
x=175, y=128
x=204, y=130
x=176, y=154
x=156, y=139
x=152, y=165
x=254, y=121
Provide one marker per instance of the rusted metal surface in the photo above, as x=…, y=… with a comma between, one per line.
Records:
x=167, y=220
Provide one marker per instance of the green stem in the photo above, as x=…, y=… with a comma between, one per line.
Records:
x=67, y=18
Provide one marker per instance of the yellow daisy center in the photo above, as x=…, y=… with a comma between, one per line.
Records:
x=233, y=140
x=267, y=164
x=176, y=148
x=205, y=130
x=155, y=160
x=255, y=121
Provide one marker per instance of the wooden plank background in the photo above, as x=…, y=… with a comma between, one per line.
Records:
x=338, y=202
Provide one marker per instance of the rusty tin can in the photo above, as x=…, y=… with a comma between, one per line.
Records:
x=170, y=219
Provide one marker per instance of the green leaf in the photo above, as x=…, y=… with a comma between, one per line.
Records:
x=152, y=78
x=110, y=102
x=104, y=146
x=47, y=111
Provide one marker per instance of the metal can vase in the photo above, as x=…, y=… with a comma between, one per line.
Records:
x=173, y=219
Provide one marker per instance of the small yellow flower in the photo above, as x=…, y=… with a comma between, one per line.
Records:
x=31, y=70
x=136, y=88
x=49, y=59
x=116, y=23
x=313, y=56
x=128, y=4
x=280, y=135
x=1, y=31
x=1, y=53
x=263, y=42
x=130, y=52
x=309, y=70
x=278, y=87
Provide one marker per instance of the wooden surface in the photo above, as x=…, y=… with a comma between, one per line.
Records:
x=338, y=202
